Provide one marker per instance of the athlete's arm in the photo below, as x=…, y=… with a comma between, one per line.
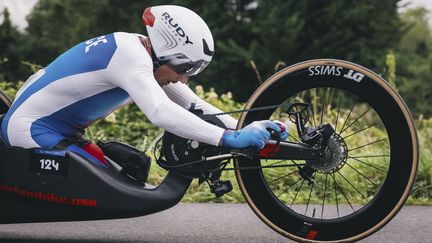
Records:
x=131, y=69
x=181, y=94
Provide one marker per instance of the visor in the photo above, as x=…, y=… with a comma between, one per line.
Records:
x=189, y=69
x=183, y=65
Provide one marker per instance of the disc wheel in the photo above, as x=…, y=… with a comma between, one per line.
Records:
x=368, y=167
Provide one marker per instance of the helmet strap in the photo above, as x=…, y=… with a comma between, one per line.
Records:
x=156, y=63
x=147, y=45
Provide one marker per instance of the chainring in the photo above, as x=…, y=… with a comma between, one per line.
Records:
x=180, y=152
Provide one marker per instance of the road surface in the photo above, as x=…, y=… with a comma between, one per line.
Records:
x=202, y=223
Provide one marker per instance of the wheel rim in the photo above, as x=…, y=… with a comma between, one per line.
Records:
x=245, y=185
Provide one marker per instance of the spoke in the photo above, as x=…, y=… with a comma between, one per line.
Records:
x=294, y=138
x=298, y=165
x=370, y=156
x=283, y=176
x=313, y=118
x=273, y=166
x=377, y=168
x=330, y=97
x=336, y=197
x=338, y=110
x=313, y=100
x=325, y=191
x=349, y=114
x=343, y=194
x=302, y=95
x=297, y=192
x=310, y=193
x=377, y=141
x=355, y=188
x=361, y=130
x=277, y=162
x=361, y=174
x=322, y=106
x=290, y=187
x=357, y=119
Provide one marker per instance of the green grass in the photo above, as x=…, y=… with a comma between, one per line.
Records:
x=131, y=126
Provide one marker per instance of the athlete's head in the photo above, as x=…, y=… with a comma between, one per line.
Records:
x=180, y=38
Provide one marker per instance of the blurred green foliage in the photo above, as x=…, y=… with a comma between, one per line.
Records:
x=253, y=39
x=414, y=62
x=129, y=125
x=269, y=33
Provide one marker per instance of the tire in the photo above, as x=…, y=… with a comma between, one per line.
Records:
x=381, y=199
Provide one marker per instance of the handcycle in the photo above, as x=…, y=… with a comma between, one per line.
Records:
x=345, y=171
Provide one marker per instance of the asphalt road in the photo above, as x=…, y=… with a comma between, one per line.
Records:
x=201, y=223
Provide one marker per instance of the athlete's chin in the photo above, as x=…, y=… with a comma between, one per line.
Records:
x=173, y=81
x=166, y=82
x=163, y=82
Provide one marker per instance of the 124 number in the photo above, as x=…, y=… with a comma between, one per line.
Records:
x=48, y=164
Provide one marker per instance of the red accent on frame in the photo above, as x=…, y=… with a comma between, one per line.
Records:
x=148, y=18
x=269, y=150
x=312, y=234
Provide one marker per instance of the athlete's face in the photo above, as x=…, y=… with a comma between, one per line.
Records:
x=165, y=75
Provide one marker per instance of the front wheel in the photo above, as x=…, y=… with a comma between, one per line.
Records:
x=368, y=165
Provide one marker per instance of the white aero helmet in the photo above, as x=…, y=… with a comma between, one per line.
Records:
x=180, y=38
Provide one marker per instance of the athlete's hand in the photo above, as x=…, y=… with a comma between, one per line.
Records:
x=284, y=130
x=256, y=134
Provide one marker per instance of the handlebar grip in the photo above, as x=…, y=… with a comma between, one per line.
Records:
x=273, y=133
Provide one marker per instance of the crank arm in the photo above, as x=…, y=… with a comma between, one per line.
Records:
x=221, y=157
x=250, y=153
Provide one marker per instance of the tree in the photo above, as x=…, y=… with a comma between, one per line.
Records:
x=291, y=31
x=265, y=32
x=11, y=68
x=414, y=62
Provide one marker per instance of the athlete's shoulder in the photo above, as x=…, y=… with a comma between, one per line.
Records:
x=131, y=40
x=129, y=46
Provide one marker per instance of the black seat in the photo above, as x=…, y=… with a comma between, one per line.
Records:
x=74, y=189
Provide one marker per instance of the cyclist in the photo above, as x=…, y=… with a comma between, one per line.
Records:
x=97, y=76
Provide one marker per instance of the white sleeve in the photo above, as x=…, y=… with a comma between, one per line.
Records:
x=131, y=69
x=181, y=94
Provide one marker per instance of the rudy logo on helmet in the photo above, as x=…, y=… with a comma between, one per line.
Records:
x=178, y=29
x=179, y=37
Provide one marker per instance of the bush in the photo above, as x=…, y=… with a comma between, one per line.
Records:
x=129, y=125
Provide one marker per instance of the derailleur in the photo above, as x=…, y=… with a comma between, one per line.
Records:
x=317, y=137
x=300, y=113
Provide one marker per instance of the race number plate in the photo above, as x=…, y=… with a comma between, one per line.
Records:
x=50, y=162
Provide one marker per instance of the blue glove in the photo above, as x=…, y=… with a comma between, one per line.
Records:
x=254, y=134
x=284, y=130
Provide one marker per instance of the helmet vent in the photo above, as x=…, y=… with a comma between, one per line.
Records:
x=207, y=49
